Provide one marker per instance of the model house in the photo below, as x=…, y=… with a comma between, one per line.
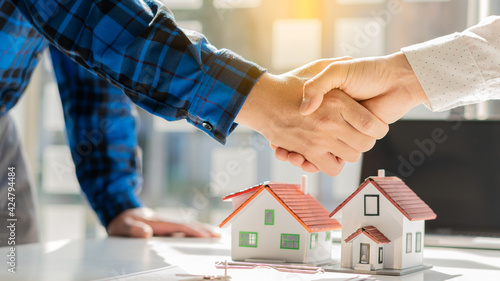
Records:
x=279, y=222
x=383, y=225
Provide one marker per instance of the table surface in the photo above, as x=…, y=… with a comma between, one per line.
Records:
x=162, y=258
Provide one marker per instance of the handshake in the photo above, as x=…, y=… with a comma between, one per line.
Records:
x=330, y=111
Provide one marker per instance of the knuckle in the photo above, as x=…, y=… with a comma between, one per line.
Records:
x=368, y=124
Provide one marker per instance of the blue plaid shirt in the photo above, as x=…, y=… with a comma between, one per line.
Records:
x=137, y=46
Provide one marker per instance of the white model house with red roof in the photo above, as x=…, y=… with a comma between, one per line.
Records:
x=279, y=222
x=383, y=225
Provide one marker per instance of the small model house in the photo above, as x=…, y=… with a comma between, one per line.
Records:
x=279, y=222
x=382, y=225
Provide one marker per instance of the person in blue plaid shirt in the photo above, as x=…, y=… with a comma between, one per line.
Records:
x=173, y=73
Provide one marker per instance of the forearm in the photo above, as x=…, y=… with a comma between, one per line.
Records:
x=461, y=68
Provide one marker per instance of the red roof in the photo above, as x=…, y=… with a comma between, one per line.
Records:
x=399, y=194
x=303, y=207
x=245, y=191
x=371, y=232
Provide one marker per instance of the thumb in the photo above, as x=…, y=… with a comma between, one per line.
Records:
x=332, y=77
x=129, y=227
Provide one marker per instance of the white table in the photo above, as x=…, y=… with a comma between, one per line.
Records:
x=162, y=258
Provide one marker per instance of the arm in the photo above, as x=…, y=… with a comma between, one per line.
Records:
x=340, y=130
x=178, y=74
x=443, y=73
x=101, y=128
x=137, y=45
x=461, y=68
x=454, y=70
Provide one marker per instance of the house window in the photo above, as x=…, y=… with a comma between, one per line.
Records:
x=364, y=253
x=380, y=255
x=328, y=235
x=314, y=240
x=248, y=239
x=408, y=243
x=269, y=217
x=371, y=205
x=290, y=241
x=418, y=242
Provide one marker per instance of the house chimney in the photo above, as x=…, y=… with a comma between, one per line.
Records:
x=381, y=173
x=303, y=186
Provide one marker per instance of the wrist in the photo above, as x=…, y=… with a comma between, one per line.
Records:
x=407, y=80
x=264, y=108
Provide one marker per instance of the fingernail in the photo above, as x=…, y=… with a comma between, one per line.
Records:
x=304, y=105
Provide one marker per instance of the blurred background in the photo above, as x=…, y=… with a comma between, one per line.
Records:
x=186, y=172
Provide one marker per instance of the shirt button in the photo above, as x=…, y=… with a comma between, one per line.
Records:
x=2, y=108
x=207, y=126
x=38, y=55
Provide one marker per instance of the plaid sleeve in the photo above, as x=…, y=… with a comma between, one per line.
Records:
x=137, y=45
x=100, y=124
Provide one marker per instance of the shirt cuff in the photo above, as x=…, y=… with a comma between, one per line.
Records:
x=447, y=72
x=222, y=92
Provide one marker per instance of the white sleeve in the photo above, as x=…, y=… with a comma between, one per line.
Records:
x=460, y=68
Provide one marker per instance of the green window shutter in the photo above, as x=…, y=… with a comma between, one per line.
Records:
x=328, y=235
x=408, y=242
x=290, y=241
x=248, y=239
x=418, y=242
x=314, y=241
x=269, y=217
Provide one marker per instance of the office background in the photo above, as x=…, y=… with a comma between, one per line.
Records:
x=185, y=172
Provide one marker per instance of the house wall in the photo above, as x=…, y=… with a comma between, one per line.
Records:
x=356, y=247
x=322, y=252
x=251, y=219
x=413, y=258
x=389, y=222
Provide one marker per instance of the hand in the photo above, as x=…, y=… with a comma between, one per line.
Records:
x=143, y=223
x=387, y=86
x=340, y=129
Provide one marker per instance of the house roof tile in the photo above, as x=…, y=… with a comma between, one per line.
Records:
x=399, y=194
x=303, y=207
x=371, y=232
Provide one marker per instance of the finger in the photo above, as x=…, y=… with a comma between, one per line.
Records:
x=344, y=151
x=129, y=227
x=361, y=118
x=281, y=154
x=332, y=77
x=197, y=231
x=327, y=163
x=309, y=167
x=313, y=68
x=355, y=139
x=165, y=228
x=296, y=159
x=273, y=146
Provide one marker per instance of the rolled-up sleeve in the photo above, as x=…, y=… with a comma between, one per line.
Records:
x=137, y=45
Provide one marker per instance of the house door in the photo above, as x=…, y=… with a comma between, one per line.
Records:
x=364, y=253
